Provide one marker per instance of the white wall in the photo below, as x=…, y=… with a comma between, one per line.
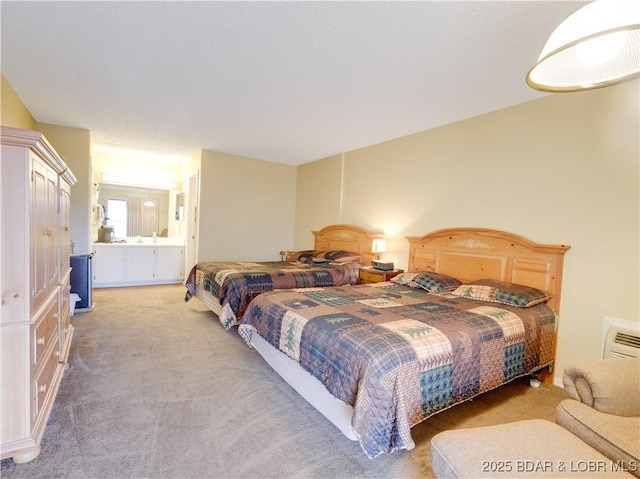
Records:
x=562, y=169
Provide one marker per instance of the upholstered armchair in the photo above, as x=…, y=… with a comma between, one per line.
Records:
x=604, y=409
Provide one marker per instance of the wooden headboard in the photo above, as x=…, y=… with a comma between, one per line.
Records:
x=475, y=253
x=343, y=237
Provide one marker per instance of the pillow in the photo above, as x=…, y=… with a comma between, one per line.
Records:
x=354, y=258
x=428, y=280
x=304, y=256
x=337, y=256
x=497, y=291
x=436, y=282
x=349, y=259
x=406, y=279
x=479, y=292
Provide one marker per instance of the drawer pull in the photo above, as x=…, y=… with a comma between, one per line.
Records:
x=43, y=388
x=56, y=353
x=41, y=340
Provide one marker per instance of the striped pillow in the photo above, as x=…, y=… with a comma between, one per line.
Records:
x=428, y=280
x=497, y=291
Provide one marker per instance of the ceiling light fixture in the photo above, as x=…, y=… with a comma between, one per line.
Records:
x=141, y=154
x=597, y=46
x=136, y=179
x=149, y=203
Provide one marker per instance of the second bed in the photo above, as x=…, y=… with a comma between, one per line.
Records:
x=227, y=288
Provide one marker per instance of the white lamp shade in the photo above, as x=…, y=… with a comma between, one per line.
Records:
x=378, y=246
x=597, y=46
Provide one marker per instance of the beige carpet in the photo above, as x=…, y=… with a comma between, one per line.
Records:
x=158, y=389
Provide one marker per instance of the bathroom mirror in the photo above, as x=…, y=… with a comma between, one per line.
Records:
x=139, y=220
x=180, y=206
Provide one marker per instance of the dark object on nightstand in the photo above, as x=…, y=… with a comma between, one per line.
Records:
x=382, y=265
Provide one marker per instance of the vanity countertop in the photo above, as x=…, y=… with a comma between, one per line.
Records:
x=145, y=241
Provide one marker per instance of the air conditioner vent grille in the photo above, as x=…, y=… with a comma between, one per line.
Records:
x=625, y=339
x=622, y=343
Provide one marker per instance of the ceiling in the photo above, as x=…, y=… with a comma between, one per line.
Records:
x=289, y=82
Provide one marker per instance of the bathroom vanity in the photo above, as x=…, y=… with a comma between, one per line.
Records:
x=134, y=263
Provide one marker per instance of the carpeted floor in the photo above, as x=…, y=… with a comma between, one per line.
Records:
x=156, y=388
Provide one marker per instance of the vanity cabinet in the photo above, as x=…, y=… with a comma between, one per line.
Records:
x=170, y=264
x=140, y=264
x=35, y=329
x=108, y=265
x=122, y=264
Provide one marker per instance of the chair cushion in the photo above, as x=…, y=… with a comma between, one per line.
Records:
x=616, y=437
x=531, y=448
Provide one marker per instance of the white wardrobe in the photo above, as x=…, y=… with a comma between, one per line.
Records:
x=35, y=326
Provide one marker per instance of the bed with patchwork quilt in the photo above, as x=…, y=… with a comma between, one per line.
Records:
x=478, y=308
x=227, y=287
x=399, y=354
x=231, y=286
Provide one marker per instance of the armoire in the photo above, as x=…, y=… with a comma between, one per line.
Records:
x=35, y=323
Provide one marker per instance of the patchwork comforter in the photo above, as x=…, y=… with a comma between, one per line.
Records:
x=399, y=354
x=235, y=284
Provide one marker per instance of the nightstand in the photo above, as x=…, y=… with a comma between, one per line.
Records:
x=372, y=275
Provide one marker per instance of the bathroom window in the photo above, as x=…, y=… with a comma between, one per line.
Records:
x=117, y=217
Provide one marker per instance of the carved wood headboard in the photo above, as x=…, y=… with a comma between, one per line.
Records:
x=343, y=237
x=475, y=253
x=347, y=238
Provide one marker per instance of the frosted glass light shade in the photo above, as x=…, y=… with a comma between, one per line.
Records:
x=597, y=46
x=148, y=203
x=378, y=246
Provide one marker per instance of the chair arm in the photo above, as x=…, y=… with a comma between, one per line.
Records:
x=609, y=385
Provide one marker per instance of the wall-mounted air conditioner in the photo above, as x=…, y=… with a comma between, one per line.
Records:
x=621, y=343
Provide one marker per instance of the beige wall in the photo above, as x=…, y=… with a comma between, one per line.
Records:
x=74, y=144
x=319, y=189
x=246, y=208
x=13, y=112
x=562, y=169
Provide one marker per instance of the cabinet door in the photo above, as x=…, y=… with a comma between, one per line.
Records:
x=141, y=263
x=108, y=264
x=44, y=184
x=170, y=263
x=65, y=227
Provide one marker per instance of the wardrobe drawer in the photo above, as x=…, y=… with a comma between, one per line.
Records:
x=44, y=331
x=43, y=382
x=65, y=311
